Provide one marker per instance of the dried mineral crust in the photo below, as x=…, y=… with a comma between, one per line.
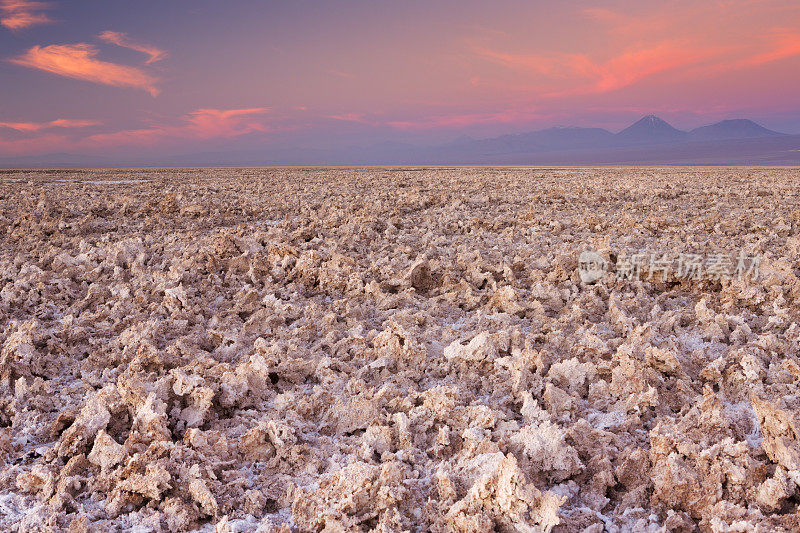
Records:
x=395, y=350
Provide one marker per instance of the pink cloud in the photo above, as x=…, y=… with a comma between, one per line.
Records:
x=774, y=46
x=33, y=145
x=21, y=14
x=587, y=76
x=211, y=123
x=79, y=61
x=350, y=117
x=707, y=21
x=782, y=44
x=202, y=124
x=122, y=39
x=632, y=66
x=58, y=123
x=688, y=41
x=715, y=24
x=583, y=75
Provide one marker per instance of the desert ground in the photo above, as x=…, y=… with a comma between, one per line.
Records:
x=387, y=349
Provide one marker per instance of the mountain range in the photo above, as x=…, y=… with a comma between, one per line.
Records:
x=650, y=140
x=648, y=131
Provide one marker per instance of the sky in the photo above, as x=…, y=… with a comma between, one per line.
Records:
x=188, y=76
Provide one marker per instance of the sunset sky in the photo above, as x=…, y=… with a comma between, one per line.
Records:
x=180, y=76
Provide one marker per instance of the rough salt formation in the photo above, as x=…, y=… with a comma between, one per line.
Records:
x=395, y=350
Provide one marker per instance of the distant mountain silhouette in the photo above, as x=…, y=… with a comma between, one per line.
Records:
x=649, y=130
x=644, y=133
x=550, y=139
x=561, y=137
x=739, y=128
x=649, y=140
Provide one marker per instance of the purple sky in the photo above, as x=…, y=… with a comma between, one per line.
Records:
x=124, y=78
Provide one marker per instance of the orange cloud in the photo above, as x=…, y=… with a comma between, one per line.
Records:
x=211, y=123
x=38, y=126
x=79, y=61
x=774, y=46
x=782, y=45
x=20, y=14
x=633, y=66
x=694, y=41
x=202, y=124
x=620, y=71
x=122, y=39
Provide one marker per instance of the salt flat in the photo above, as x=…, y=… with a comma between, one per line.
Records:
x=399, y=349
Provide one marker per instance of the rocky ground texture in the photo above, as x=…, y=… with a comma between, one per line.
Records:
x=395, y=350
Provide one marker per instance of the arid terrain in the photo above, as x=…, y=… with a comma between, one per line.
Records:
x=396, y=350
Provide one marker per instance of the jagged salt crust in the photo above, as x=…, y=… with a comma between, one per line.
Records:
x=395, y=350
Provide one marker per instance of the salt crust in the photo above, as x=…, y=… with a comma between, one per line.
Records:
x=394, y=350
